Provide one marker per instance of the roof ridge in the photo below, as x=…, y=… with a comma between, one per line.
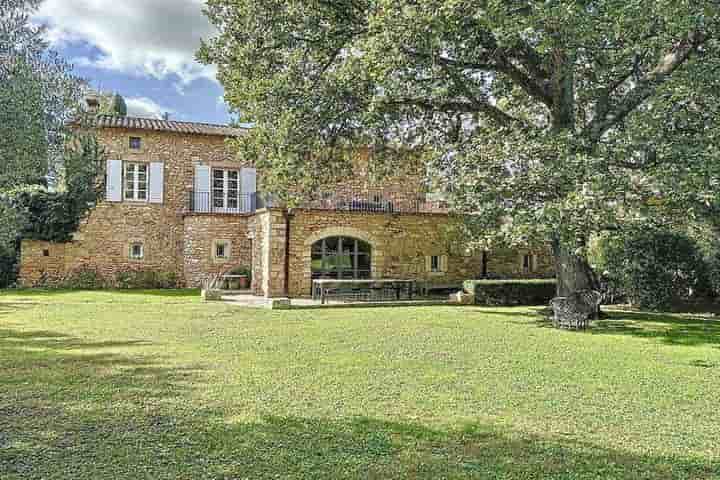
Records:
x=104, y=120
x=207, y=124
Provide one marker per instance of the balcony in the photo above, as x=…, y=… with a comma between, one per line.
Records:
x=234, y=204
x=374, y=201
x=346, y=200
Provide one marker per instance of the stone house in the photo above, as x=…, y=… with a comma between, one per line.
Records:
x=179, y=201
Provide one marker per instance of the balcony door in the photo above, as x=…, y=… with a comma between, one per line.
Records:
x=226, y=190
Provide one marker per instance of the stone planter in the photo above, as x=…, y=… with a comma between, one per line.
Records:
x=244, y=282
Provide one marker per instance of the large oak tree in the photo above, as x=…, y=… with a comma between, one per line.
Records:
x=551, y=120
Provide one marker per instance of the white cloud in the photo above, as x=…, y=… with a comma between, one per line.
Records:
x=154, y=38
x=145, y=107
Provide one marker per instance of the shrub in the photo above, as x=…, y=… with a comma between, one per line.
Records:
x=83, y=278
x=8, y=268
x=511, y=292
x=146, y=279
x=653, y=267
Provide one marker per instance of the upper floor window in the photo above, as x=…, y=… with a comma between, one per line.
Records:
x=225, y=190
x=135, y=143
x=136, y=181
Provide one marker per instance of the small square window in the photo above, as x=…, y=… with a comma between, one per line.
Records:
x=46, y=253
x=137, y=252
x=221, y=250
x=435, y=264
x=135, y=143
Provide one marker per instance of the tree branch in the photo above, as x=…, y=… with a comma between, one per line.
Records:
x=646, y=86
x=493, y=112
x=535, y=82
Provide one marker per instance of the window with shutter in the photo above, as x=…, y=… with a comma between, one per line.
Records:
x=114, y=180
x=157, y=181
x=136, y=182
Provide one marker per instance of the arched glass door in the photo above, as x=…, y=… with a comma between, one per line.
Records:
x=341, y=258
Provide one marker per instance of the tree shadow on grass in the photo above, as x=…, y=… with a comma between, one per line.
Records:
x=668, y=329
x=59, y=341
x=67, y=413
x=168, y=445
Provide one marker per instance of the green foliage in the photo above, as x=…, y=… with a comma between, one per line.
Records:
x=242, y=270
x=551, y=121
x=146, y=279
x=42, y=214
x=8, y=267
x=118, y=106
x=38, y=96
x=83, y=165
x=653, y=266
x=511, y=292
x=83, y=278
x=45, y=215
x=707, y=237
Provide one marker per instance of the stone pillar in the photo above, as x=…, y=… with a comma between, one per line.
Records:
x=269, y=263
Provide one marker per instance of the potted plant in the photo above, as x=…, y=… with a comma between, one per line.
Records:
x=242, y=280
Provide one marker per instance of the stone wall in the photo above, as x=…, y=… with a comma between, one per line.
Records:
x=201, y=234
x=175, y=240
x=103, y=240
x=401, y=244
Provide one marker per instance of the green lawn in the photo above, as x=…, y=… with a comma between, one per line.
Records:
x=112, y=385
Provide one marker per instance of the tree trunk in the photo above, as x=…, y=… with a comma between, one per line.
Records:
x=573, y=272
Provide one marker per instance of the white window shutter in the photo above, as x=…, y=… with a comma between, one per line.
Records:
x=157, y=182
x=202, y=200
x=428, y=264
x=248, y=189
x=444, y=263
x=113, y=181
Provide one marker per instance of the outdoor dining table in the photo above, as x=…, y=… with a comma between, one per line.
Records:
x=322, y=286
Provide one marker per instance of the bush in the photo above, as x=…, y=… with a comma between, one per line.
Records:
x=653, y=267
x=511, y=292
x=146, y=279
x=8, y=268
x=82, y=279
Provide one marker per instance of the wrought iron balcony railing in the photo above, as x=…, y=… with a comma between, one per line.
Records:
x=347, y=200
x=209, y=202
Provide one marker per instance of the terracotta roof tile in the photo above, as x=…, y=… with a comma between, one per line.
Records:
x=134, y=123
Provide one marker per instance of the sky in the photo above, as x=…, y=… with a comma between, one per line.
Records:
x=142, y=49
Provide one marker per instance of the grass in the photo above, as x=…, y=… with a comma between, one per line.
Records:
x=158, y=385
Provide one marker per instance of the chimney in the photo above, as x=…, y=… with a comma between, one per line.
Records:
x=92, y=101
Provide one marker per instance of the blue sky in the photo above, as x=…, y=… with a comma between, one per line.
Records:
x=143, y=49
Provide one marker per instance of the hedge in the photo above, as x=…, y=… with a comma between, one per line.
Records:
x=511, y=292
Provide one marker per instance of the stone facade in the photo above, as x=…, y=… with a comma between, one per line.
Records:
x=165, y=230
x=401, y=244
x=179, y=241
x=203, y=232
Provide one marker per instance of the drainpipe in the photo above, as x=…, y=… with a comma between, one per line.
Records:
x=286, y=284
